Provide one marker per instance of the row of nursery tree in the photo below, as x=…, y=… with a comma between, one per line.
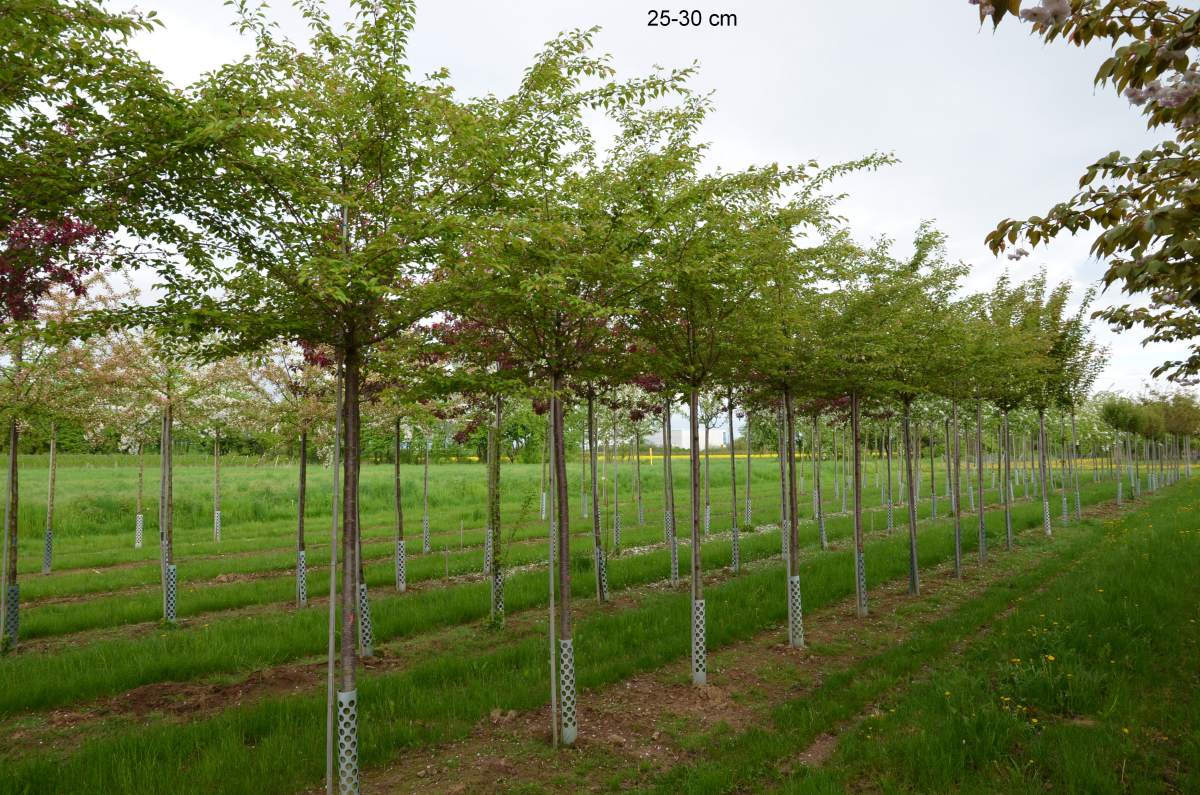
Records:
x=421, y=249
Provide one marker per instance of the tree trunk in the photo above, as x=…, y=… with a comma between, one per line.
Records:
x=914, y=576
x=979, y=506
x=860, y=562
x=956, y=505
x=616, y=487
x=748, y=517
x=217, y=487
x=349, y=585
x=818, y=497
x=48, y=552
x=891, y=521
x=10, y=595
x=932, y=479
x=425, y=497
x=496, y=575
x=301, y=506
x=795, y=610
x=699, y=651
x=669, y=494
x=733, y=517
x=1075, y=468
x=542, y=470
x=1006, y=481
x=1042, y=472
x=637, y=477
x=401, y=563
x=707, y=500
x=597, y=543
x=784, y=521
x=566, y=648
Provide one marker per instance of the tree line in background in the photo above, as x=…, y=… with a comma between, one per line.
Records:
x=349, y=256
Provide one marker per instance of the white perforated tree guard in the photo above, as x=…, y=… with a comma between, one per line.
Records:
x=301, y=579
x=12, y=617
x=602, y=567
x=617, y=531
x=48, y=551
x=749, y=513
x=498, y=593
x=891, y=519
x=139, y=529
x=347, y=742
x=566, y=691
x=737, y=550
x=707, y=519
x=668, y=525
x=216, y=525
x=487, y=551
x=699, y=647
x=784, y=533
x=366, y=638
x=401, y=566
x=1066, y=517
x=860, y=573
x=425, y=533
x=795, y=613
x=1120, y=492
x=172, y=577
x=543, y=505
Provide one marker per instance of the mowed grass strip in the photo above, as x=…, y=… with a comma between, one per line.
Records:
x=238, y=644
x=202, y=593
x=974, y=702
x=277, y=744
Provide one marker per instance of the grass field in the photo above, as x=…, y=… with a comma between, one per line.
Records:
x=1009, y=680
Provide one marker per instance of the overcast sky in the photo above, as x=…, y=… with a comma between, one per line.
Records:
x=986, y=125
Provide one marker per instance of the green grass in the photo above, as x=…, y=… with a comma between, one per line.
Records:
x=276, y=745
x=1114, y=710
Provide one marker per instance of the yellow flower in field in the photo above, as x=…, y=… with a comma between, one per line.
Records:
x=946, y=693
x=1015, y=660
x=1034, y=720
x=1050, y=657
x=1125, y=730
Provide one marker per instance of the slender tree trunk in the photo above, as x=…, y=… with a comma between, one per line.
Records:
x=496, y=575
x=349, y=585
x=1006, y=481
x=425, y=497
x=566, y=648
x=301, y=506
x=699, y=651
x=956, y=505
x=637, y=477
x=707, y=500
x=733, y=513
x=818, y=496
x=401, y=563
x=1045, y=486
x=334, y=718
x=784, y=521
x=597, y=542
x=748, y=517
x=795, y=610
x=542, y=470
x=216, y=487
x=1075, y=468
x=139, y=518
x=932, y=479
x=914, y=576
x=48, y=552
x=10, y=595
x=891, y=522
x=616, y=487
x=979, y=480
x=669, y=493
x=860, y=562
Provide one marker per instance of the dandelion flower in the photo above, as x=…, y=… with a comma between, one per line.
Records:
x=1050, y=657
